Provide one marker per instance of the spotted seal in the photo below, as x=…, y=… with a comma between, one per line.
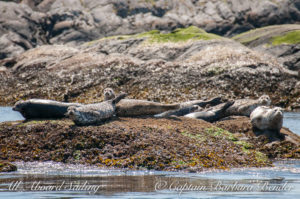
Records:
x=94, y=113
x=43, y=109
x=212, y=114
x=266, y=118
x=244, y=107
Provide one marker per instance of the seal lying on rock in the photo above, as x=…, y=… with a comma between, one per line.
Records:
x=212, y=114
x=41, y=108
x=94, y=113
x=244, y=107
x=265, y=118
x=179, y=112
x=133, y=107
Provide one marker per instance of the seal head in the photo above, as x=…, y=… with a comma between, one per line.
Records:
x=109, y=94
x=265, y=100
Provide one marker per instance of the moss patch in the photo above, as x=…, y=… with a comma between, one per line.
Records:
x=245, y=145
x=292, y=37
x=261, y=157
x=178, y=35
x=218, y=132
x=198, y=137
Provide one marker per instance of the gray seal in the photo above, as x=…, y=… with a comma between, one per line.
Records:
x=94, y=113
x=43, y=109
x=266, y=118
x=212, y=114
x=178, y=112
x=244, y=107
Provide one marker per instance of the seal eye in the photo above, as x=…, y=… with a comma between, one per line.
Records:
x=259, y=119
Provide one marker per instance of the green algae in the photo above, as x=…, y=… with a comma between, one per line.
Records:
x=215, y=71
x=261, y=157
x=292, y=37
x=245, y=146
x=198, y=137
x=77, y=155
x=218, y=132
x=178, y=35
x=33, y=122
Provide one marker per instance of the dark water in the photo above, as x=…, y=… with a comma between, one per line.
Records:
x=56, y=180
x=281, y=181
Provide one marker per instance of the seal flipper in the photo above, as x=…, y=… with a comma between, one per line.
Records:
x=119, y=97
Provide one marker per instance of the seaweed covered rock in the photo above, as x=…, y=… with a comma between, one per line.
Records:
x=185, y=64
x=7, y=167
x=284, y=144
x=138, y=143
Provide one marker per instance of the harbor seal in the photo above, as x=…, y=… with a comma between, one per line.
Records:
x=266, y=118
x=244, y=107
x=43, y=109
x=94, y=113
x=179, y=112
x=109, y=94
x=212, y=114
x=133, y=107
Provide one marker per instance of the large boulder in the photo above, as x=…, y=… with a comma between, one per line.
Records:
x=281, y=41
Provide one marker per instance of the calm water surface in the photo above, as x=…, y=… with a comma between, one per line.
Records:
x=56, y=180
x=7, y=114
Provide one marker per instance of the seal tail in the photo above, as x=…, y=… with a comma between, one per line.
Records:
x=119, y=97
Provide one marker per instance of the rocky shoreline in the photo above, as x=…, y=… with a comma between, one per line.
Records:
x=146, y=143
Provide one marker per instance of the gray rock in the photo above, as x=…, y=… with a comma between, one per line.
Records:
x=74, y=22
x=262, y=40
